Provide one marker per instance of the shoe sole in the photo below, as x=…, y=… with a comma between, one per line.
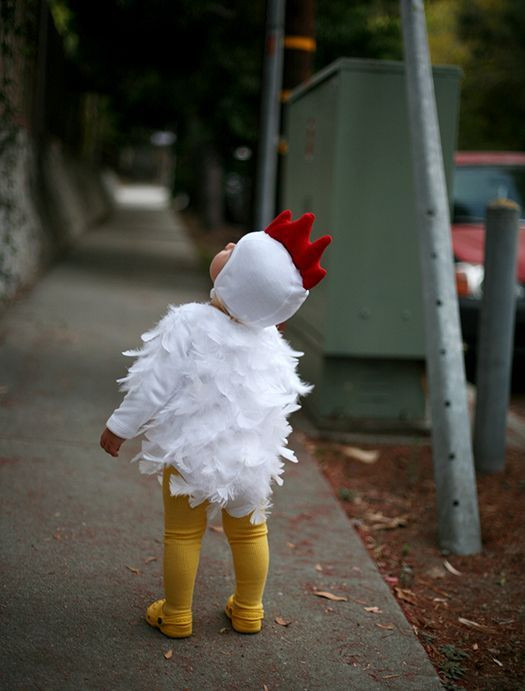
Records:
x=169, y=630
x=243, y=627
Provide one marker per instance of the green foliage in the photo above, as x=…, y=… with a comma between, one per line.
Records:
x=451, y=665
x=171, y=64
x=17, y=43
x=195, y=67
x=494, y=94
x=346, y=494
x=484, y=37
x=63, y=18
x=452, y=653
x=366, y=29
x=167, y=65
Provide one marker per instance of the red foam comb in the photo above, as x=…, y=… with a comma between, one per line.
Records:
x=295, y=236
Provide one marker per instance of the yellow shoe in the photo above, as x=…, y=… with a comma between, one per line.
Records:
x=172, y=625
x=244, y=620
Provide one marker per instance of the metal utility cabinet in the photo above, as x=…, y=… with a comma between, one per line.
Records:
x=348, y=161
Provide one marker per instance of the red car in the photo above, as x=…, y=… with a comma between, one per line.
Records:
x=479, y=178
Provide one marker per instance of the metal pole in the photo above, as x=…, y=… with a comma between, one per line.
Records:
x=495, y=336
x=270, y=114
x=458, y=517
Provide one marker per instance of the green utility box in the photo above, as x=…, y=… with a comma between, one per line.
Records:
x=348, y=161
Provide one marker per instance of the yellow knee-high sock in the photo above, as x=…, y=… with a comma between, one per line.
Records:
x=183, y=531
x=249, y=546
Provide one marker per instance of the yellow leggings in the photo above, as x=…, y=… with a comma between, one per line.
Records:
x=183, y=531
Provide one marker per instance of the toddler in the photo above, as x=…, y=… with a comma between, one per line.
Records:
x=211, y=389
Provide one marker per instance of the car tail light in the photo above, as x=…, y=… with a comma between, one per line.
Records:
x=462, y=283
x=469, y=279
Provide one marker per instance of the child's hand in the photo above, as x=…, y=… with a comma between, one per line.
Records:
x=110, y=442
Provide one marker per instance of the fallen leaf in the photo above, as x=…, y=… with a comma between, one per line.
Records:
x=475, y=646
x=328, y=609
x=382, y=522
x=265, y=688
x=363, y=455
x=222, y=630
x=168, y=654
x=318, y=567
x=133, y=569
x=436, y=572
x=392, y=580
x=389, y=627
x=442, y=600
x=149, y=560
x=282, y=622
x=330, y=596
x=394, y=522
x=498, y=662
x=291, y=545
x=374, y=516
x=372, y=610
x=217, y=528
x=451, y=568
x=471, y=624
x=434, y=587
x=391, y=676
x=57, y=535
x=405, y=595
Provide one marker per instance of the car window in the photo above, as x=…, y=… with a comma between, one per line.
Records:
x=476, y=186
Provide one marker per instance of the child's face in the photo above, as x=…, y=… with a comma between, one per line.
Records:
x=219, y=260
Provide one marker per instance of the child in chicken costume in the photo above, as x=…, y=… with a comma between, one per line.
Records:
x=211, y=390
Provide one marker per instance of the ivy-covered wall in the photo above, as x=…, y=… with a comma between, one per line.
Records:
x=50, y=192
x=22, y=237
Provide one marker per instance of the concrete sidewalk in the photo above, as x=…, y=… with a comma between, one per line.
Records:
x=81, y=532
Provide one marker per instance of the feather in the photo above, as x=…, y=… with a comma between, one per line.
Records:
x=222, y=393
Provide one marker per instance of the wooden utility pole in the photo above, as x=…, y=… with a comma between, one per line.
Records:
x=299, y=53
x=299, y=44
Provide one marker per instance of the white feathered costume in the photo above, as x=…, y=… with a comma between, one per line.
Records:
x=212, y=393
